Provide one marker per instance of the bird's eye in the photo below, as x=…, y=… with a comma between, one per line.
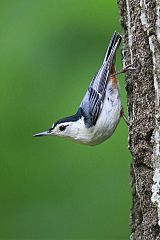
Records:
x=62, y=127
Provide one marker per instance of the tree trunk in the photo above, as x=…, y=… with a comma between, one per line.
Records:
x=140, y=20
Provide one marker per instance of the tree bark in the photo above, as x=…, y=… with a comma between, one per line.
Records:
x=140, y=20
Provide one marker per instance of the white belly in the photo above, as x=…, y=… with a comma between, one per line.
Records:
x=107, y=121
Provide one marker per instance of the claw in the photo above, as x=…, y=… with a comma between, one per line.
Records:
x=125, y=69
x=125, y=118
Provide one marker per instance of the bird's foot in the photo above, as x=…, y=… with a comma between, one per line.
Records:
x=125, y=69
x=124, y=117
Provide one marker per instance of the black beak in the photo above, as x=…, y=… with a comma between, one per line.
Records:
x=41, y=134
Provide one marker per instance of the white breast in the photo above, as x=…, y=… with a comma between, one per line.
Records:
x=109, y=117
x=106, y=123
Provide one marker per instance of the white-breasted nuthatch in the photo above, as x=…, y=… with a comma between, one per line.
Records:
x=100, y=109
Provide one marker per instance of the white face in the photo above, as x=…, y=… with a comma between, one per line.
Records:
x=74, y=130
x=62, y=129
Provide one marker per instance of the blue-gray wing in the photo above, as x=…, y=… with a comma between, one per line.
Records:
x=92, y=102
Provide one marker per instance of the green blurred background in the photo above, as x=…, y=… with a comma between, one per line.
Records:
x=52, y=188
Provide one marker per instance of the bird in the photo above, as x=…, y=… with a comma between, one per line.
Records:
x=100, y=109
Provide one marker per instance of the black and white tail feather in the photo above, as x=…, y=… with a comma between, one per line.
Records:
x=92, y=102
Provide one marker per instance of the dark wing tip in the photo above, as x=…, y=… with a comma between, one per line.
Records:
x=116, y=38
x=116, y=34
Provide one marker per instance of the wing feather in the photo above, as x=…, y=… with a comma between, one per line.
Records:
x=92, y=102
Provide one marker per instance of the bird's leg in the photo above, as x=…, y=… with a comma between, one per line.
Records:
x=124, y=117
x=125, y=69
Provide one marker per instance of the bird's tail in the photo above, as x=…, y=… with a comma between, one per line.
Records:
x=113, y=45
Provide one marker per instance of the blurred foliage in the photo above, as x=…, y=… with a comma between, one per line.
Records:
x=51, y=187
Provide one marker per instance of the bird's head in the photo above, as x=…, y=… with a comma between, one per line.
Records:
x=63, y=129
x=70, y=127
